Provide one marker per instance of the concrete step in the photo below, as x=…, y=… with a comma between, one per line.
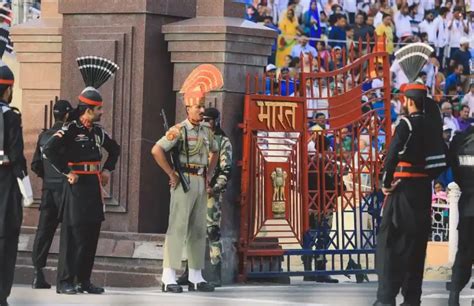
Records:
x=122, y=259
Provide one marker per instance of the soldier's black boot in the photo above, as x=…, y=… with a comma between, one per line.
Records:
x=453, y=298
x=321, y=266
x=3, y=302
x=308, y=267
x=66, y=288
x=183, y=279
x=203, y=287
x=39, y=281
x=216, y=275
x=89, y=288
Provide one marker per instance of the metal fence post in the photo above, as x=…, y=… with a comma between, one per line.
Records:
x=454, y=193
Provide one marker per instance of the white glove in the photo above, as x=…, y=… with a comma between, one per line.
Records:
x=26, y=190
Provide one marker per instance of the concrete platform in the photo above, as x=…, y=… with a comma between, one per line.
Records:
x=346, y=293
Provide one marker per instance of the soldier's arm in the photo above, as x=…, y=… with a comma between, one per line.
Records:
x=399, y=139
x=165, y=144
x=113, y=150
x=37, y=162
x=15, y=144
x=53, y=150
x=225, y=164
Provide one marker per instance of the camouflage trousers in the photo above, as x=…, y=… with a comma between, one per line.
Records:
x=214, y=228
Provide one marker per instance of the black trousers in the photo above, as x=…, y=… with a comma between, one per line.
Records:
x=402, y=241
x=77, y=252
x=462, y=267
x=8, y=251
x=48, y=222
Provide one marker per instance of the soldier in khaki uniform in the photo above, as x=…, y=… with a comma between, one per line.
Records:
x=187, y=220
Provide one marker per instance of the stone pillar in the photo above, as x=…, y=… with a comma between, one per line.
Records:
x=128, y=32
x=218, y=35
x=37, y=46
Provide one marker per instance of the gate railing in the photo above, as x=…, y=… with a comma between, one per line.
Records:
x=331, y=208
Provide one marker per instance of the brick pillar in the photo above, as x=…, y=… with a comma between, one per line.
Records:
x=37, y=46
x=218, y=35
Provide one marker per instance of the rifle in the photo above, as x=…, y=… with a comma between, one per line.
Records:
x=175, y=157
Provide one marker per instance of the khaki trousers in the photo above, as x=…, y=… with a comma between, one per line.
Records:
x=187, y=226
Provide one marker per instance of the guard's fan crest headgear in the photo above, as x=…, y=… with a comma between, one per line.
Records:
x=202, y=80
x=95, y=72
x=412, y=58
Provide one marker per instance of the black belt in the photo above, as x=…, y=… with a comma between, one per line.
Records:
x=411, y=169
x=194, y=170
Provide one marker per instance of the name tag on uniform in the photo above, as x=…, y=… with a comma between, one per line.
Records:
x=81, y=137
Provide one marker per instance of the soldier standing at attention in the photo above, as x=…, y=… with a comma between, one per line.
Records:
x=187, y=220
x=218, y=183
x=83, y=207
x=12, y=167
x=52, y=196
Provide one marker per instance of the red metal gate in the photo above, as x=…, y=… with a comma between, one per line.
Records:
x=312, y=192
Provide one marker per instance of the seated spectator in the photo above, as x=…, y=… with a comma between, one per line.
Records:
x=337, y=35
x=349, y=38
x=469, y=99
x=337, y=62
x=386, y=29
x=324, y=21
x=362, y=30
x=287, y=84
x=448, y=118
x=303, y=47
x=251, y=13
x=288, y=60
x=402, y=21
x=289, y=29
x=397, y=104
x=268, y=22
x=323, y=52
x=462, y=55
x=310, y=22
x=429, y=26
x=453, y=80
x=463, y=120
x=271, y=82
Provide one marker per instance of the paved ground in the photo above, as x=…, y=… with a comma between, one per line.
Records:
x=300, y=293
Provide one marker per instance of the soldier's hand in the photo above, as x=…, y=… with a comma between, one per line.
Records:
x=387, y=191
x=105, y=178
x=72, y=178
x=174, y=180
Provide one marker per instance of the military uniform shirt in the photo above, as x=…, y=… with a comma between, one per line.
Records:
x=200, y=142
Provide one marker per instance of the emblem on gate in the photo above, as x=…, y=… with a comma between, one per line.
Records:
x=279, y=181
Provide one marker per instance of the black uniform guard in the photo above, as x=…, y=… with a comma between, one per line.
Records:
x=461, y=157
x=53, y=185
x=83, y=209
x=409, y=169
x=12, y=166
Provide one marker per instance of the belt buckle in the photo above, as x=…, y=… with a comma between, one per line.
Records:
x=200, y=171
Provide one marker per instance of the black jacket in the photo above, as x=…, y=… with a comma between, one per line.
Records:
x=461, y=159
x=52, y=179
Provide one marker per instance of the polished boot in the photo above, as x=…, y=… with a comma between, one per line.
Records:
x=183, y=279
x=66, y=288
x=216, y=275
x=3, y=303
x=202, y=287
x=89, y=288
x=321, y=266
x=39, y=281
x=308, y=267
x=173, y=288
x=453, y=298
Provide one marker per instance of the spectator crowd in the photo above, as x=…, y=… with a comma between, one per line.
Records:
x=330, y=30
